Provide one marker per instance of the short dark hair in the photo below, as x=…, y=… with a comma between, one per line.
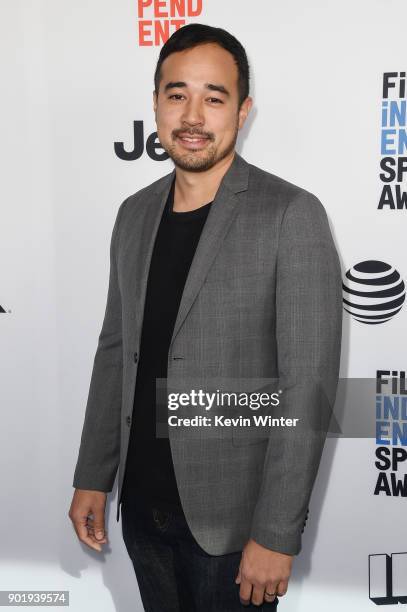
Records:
x=195, y=34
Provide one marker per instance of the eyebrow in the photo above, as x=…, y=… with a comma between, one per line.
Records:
x=210, y=86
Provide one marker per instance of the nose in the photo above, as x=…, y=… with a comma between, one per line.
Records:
x=192, y=115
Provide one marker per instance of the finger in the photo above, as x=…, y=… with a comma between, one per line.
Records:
x=91, y=526
x=245, y=591
x=91, y=532
x=270, y=588
x=258, y=595
x=282, y=588
x=81, y=529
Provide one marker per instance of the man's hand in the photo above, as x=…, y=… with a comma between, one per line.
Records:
x=90, y=531
x=264, y=571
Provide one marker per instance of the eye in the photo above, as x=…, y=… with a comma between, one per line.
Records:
x=216, y=100
x=175, y=96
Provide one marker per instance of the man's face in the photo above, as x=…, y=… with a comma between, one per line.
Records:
x=196, y=110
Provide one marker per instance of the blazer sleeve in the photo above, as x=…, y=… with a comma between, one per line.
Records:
x=308, y=336
x=99, y=451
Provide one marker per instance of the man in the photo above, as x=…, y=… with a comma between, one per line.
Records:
x=218, y=270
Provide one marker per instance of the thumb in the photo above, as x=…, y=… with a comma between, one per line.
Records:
x=99, y=529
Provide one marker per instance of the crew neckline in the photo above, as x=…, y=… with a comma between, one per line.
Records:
x=184, y=214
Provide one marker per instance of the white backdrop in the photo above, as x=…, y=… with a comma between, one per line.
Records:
x=74, y=79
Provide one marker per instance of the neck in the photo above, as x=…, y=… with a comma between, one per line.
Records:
x=195, y=189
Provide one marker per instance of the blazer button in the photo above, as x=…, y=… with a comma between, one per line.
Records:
x=128, y=420
x=135, y=356
x=306, y=517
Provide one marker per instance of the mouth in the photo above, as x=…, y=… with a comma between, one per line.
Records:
x=192, y=142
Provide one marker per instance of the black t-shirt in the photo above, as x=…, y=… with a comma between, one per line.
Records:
x=149, y=472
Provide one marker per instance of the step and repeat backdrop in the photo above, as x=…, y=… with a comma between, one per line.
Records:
x=78, y=136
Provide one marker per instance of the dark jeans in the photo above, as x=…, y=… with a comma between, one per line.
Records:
x=173, y=572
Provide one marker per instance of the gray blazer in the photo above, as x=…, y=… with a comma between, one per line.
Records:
x=262, y=300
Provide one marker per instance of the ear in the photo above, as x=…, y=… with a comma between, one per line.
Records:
x=155, y=101
x=244, y=110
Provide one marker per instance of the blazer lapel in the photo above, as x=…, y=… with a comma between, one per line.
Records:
x=220, y=217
